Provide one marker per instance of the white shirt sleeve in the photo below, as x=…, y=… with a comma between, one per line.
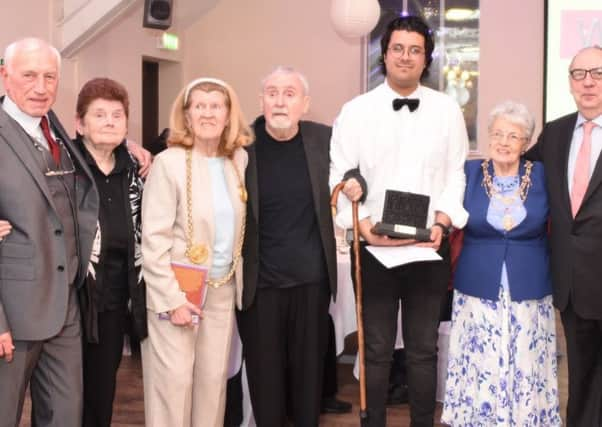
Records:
x=344, y=156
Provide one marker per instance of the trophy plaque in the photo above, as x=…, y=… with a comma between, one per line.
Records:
x=404, y=216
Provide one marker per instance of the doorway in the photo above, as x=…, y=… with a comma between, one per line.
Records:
x=161, y=82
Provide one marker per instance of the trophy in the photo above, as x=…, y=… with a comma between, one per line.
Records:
x=404, y=216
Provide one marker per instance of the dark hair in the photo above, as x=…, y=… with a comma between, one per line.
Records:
x=412, y=24
x=101, y=88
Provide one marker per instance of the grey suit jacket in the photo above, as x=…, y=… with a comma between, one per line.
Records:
x=34, y=288
x=316, y=141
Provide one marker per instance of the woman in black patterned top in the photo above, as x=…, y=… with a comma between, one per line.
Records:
x=114, y=291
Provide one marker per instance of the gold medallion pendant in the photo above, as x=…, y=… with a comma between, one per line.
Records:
x=242, y=191
x=197, y=254
x=508, y=222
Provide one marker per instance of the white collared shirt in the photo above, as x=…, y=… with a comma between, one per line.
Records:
x=420, y=152
x=596, y=144
x=30, y=124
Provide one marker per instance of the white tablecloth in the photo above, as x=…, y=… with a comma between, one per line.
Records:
x=343, y=310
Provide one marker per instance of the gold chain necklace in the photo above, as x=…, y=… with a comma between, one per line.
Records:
x=522, y=191
x=199, y=253
x=525, y=181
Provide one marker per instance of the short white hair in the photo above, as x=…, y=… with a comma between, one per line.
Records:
x=29, y=43
x=281, y=69
x=516, y=113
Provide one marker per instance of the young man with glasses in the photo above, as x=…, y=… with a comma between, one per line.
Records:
x=406, y=137
x=570, y=149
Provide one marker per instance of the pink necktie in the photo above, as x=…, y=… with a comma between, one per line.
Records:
x=53, y=146
x=581, y=174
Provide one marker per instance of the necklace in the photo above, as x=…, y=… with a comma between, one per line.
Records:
x=510, y=200
x=198, y=253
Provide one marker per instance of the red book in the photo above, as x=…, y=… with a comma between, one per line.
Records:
x=192, y=280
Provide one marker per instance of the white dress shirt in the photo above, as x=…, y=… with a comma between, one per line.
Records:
x=420, y=152
x=596, y=144
x=30, y=124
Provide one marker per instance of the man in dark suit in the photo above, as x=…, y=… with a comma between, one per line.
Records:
x=289, y=256
x=48, y=197
x=569, y=148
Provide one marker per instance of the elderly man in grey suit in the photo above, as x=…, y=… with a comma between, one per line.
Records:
x=48, y=204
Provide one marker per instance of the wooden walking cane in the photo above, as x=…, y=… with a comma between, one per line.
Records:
x=358, y=297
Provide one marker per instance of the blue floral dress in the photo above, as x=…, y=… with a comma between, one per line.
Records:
x=502, y=368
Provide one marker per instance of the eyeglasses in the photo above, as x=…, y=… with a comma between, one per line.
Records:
x=212, y=108
x=400, y=50
x=580, y=73
x=499, y=136
x=57, y=171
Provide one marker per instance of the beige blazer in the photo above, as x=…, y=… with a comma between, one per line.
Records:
x=164, y=221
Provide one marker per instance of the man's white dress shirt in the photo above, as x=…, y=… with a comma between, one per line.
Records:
x=420, y=152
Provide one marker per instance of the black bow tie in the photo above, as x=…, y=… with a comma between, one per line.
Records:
x=412, y=103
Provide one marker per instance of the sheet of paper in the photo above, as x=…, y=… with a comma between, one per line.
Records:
x=393, y=256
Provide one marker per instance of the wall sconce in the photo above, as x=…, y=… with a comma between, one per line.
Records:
x=354, y=18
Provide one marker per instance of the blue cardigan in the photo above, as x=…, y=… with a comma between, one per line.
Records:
x=524, y=248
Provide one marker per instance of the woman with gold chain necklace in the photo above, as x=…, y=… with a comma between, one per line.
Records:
x=502, y=357
x=193, y=217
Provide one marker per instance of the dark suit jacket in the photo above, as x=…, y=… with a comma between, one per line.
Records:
x=576, y=244
x=524, y=249
x=34, y=289
x=316, y=141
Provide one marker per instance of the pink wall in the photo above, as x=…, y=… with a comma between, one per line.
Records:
x=25, y=18
x=241, y=41
x=511, y=63
x=116, y=54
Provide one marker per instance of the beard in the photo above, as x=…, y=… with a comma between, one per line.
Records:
x=279, y=122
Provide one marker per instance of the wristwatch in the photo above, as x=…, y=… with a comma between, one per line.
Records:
x=443, y=228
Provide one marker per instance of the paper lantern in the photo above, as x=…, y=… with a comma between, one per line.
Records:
x=354, y=18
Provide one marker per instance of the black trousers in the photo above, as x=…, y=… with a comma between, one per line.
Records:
x=421, y=288
x=284, y=337
x=330, y=379
x=234, y=412
x=233, y=415
x=101, y=362
x=584, y=354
